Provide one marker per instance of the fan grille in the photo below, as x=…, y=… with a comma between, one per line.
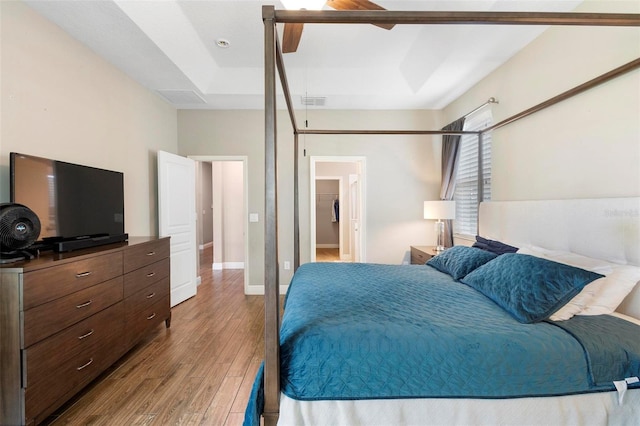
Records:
x=19, y=227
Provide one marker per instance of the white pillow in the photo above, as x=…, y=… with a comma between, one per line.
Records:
x=601, y=296
x=612, y=289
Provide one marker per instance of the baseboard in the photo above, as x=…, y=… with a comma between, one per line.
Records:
x=204, y=246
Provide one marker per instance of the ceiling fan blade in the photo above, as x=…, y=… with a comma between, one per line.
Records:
x=358, y=5
x=291, y=37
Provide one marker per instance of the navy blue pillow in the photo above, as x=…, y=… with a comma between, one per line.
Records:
x=458, y=261
x=493, y=246
x=528, y=287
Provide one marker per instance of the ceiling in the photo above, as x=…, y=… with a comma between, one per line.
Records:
x=169, y=46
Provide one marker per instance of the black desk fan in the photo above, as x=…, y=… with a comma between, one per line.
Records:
x=19, y=229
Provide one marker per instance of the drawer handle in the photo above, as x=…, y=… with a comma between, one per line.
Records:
x=151, y=295
x=152, y=316
x=150, y=274
x=86, y=365
x=83, y=274
x=151, y=253
x=84, y=336
x=82, y=305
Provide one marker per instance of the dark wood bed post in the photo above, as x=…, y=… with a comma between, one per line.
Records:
x=271, y=296
x=296, y=207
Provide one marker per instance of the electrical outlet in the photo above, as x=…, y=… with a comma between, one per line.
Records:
x=287, y=265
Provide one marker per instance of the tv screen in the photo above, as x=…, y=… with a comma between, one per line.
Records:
x=72, y=201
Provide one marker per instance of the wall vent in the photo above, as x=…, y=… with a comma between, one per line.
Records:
x=313, y=100
x=182, y=97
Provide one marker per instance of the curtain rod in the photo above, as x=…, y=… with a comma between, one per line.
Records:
x=491, y=100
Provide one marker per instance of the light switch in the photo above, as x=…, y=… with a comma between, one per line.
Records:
x=253, y=217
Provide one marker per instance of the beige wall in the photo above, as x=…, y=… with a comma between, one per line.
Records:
x=233, y=133
x=401, y=172
x=585, y=147
x=60, y=100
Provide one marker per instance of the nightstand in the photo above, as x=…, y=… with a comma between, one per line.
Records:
x=420, y=254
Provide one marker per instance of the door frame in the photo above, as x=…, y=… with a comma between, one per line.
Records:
x=360, y=162
x=245, y=188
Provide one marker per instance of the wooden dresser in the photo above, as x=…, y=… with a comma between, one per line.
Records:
x=67, y=317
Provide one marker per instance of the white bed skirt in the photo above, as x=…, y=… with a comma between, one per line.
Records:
x=586, y=409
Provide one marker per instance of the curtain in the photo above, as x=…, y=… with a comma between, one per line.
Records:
x=450, y=154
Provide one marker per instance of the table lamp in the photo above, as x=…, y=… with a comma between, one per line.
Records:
x=440, y=210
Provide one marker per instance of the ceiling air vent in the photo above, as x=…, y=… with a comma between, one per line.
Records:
x=313, y=100
x=182, y=97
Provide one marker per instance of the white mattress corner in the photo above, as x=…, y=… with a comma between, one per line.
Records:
x=600, y=408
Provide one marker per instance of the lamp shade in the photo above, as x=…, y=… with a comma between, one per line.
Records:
x=439, y=209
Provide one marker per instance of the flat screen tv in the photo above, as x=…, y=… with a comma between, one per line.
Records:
x=78, y=206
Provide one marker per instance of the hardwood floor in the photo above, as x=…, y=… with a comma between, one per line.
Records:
x=327, y=254
x=198, y=372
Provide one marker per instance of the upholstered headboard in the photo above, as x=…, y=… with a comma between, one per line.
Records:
x=603, y=228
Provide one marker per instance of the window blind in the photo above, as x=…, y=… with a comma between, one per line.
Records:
x=466, y=190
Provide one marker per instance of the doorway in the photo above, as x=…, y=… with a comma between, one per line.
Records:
x=222, y=212
x=329, y=232
x=337, y=207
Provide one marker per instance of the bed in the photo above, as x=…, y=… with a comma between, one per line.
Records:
x=383, y=344
x=425, y=344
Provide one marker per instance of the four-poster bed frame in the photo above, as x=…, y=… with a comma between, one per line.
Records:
x=274, y=61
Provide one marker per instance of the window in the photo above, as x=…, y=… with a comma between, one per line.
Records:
x=466, y=192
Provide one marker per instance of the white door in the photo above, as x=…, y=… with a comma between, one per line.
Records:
x=354, y=217
x=177, y=219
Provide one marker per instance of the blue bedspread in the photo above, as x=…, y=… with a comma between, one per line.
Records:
x=361, y=331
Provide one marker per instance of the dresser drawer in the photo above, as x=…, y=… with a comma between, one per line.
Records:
x=45, y=320
x=69, y=377
x=146, y=297
x=140, y=322
x=45, y=356
x=145, y=254
x=145, y=276
x=48, y=284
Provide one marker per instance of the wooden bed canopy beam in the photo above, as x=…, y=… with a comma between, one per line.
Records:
x=630, y=66
x=455, y=18
x=384, y=132
x=274, y=59
x=282, y=72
